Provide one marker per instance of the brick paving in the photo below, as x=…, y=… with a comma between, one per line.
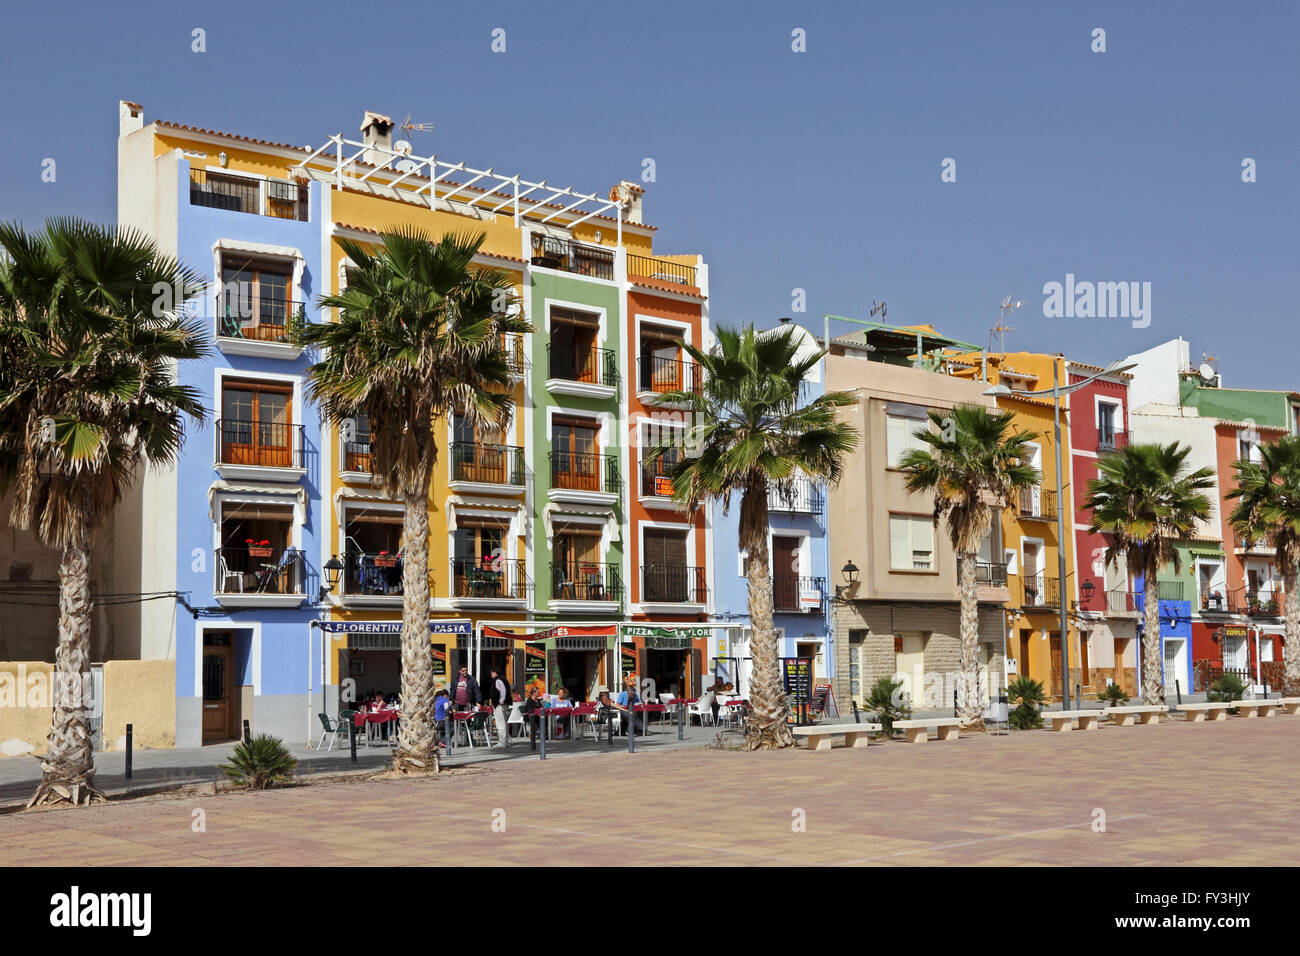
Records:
x=1178, y=794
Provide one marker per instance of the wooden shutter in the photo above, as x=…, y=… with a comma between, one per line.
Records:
x=900, y=545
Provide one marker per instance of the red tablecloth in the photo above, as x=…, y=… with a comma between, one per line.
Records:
x=378, y=717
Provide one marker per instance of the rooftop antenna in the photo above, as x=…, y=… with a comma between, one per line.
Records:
x=410, y=127
x=1001, y=329
x=878, y=308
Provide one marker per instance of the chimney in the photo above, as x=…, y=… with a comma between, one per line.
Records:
x=130, y=117
x=629, y=195
x=377, y=131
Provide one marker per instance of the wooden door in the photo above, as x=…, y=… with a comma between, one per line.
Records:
x=218, y=689
x=255, y=424
x=785, y=573
x=1054, y=642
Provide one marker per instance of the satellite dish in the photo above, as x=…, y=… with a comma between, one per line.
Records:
x=402, y=148
x=406, y=165
x=1206, y=371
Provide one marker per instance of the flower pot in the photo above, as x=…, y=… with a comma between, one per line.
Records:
x=385, y=562
x=259, y=552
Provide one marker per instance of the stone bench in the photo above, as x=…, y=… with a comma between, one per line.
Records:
x=914, y=731
x=1136, y=713
x=1261, y=707
x=1198, y=713
x=855, y=735
x=1289, y=705
x=1063, y=720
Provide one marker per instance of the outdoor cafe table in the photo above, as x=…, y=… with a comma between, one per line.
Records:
x=648, y=709
x=373, y=722
x=461, y=718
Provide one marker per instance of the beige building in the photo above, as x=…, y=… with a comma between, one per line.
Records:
x=901, y=617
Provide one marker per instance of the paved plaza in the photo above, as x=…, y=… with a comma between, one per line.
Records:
x=1028, y=798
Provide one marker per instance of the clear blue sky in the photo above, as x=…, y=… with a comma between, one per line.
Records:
x=817, y=170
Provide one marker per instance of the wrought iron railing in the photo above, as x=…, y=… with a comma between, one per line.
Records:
x=275, y=198
x=569, y=256
x=577, y=472
x=1264, y=603
x=264, y=444
x=673, y=584
x=803, y=497
x=990, y=573
x=260, y=570
x=586, y=581
x=372, y=574
x=575, y=364
x=790, y=592
x=656, y=478
x=656, y=373
x=665, y=270
x=1038, y=503
x=499, y=578
x=1111, y=440
x=1041, y=592
x=1218, y=601
x=356, y=457
x=489, y=464
x=262, y=318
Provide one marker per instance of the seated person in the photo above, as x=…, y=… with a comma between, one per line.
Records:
x=532, y=707
x=622, y=705
x=377, y=703
x=562, y=699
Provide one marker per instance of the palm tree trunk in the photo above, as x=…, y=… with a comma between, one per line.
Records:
x=1291, y=641
x=970, y=706
x=69, y=764
x=1153, y=688
x=768, y=727
x=417, y=750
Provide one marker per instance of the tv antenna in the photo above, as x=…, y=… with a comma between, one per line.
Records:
x=1001, y=329
x=878, y=308
x=410, y=127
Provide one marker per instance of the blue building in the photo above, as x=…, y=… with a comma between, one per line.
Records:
x=799, y=554
x=1175, y=639
x=234, y=527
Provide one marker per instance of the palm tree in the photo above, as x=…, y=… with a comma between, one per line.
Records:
x=974, y=464
x=1146, y=499
x=418, y=337
x=1268, y=509
x=752, y=433
x=90, y=334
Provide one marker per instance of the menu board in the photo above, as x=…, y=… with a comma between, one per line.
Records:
x=440, y=660
x=796, y=674
x=534, y=668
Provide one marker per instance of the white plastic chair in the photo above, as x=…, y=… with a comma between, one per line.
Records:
x=228, y=575
x=702, y=708
x=516, y=719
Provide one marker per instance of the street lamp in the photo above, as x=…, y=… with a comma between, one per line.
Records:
x=333, y=568
x=1056, y=392
x=850, y=572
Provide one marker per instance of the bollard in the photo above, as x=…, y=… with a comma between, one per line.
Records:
x=130, y=736
x=1178, y=692
x=856, y=718
x=680, y=708
x=541, y=719
x=248, y=734
x=1078, y=697
x=352, y=738
x=631, y=727
x=954, y=701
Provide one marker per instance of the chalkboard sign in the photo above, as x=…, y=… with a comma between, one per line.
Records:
x=823, y=701
x=796, y=674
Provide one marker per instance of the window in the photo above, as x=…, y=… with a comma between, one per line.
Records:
x=575, y=454
x=256, y=299
x=356, y=453
x=664, y=565
x=256, y=426
x=1248, y=446
x=662, y=368
x=1106, y=415
x=656, y=471
x=479, y=565
x=256, y=551
x=372, y=550
x=220, y=190
x=900, y=437
x=911, y=543
x=573, y=351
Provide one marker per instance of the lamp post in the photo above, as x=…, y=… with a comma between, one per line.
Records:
x=1057, y=392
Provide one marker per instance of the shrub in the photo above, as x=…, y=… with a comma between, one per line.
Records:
x=887, y=703
x=1025, y=717
x=1113, y=695
x=258, y=763
x=1030, y=695
x=1227, y=687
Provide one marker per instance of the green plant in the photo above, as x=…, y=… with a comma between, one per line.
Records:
x=1113, y=695
x=260, y=762
x=1028, y=694
x=887, y=703
x=1227, y=688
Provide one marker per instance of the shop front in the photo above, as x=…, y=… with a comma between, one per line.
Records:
x=576, y=657
x=674, y=658
x=364, y=658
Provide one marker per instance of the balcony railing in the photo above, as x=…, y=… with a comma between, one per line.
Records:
x=1120, y=600
x=264, y=444
x=1041, y=592
x=804, y=497
x=372, y=574
x=257, y=570
x=656, y=373
x=1258, y=546
x=276, y=198
x=793, y=593
x=504, y=579
x=569, y=256
x=356, y=457
x=673, y=584
x=1264, y=603
x=1112, y=440
x=512, y=346
x=260, y=318
x=990, y=573
x=665, y=270
x=585, y=472
x=1169, y=590
x=593, y=366
x=1038, y=503
x=488, y=464
x=656, y=480
x=1217, y=601
x=586, y=581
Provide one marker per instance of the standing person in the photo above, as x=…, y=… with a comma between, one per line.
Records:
x=466, y=693
x=500, y=697
x=441, y=714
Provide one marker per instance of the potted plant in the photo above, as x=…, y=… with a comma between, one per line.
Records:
x=258, y=549
x=385, y=560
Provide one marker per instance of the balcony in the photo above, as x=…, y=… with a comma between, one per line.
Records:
x=1251, y=547
x=275, y=198
x=673, y=584
x=1041, y=592
x=1264, y=603
x=372, y=579
x=260, y=326
x=255, y=576
x=356, y=459
x=991, y=574
x=1216, y=601
x=1111, y=440
x=803, y=497
x=489, y=581
x=657, y=485
x=569, y=256
x=584, y=478
x=1120, y=601
x=585, y=581
x=794, y=594
x=516, y=356
x=1038, y=504
x=266, y=451
x=663, y=271
x=581, y=371
x=656, y=375
x=479, y=464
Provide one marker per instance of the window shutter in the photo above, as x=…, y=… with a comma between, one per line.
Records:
x=900, y=546
x=896, y=438
x=923, y=540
